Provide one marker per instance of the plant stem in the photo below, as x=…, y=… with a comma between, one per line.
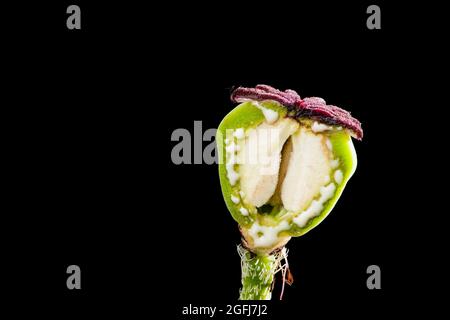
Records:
x=258, y=272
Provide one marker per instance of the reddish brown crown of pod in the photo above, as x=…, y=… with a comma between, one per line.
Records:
x=312, y=108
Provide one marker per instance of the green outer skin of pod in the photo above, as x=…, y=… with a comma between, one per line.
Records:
x=246, y=116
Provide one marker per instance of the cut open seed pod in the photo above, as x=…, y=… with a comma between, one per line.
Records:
x=284, y=162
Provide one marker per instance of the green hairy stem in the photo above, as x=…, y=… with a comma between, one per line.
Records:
x=258, y=272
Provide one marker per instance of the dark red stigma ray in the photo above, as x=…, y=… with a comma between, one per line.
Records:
x=313, y=108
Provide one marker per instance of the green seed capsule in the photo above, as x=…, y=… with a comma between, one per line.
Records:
x=280, y=176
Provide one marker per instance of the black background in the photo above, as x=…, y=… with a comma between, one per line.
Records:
x=93, y=184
